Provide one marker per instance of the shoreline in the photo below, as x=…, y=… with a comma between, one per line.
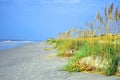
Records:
x=33, y=62
x=10, y=44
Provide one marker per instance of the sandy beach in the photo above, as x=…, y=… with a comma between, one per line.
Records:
x=34, y=62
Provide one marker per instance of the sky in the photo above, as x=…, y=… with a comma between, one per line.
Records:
x=43, y=19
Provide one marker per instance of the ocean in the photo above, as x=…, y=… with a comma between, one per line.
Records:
x=8, y=44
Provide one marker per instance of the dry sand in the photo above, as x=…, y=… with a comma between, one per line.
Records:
x=34, y=62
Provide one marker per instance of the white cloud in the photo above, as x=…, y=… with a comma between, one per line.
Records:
x=60, y=1
x=44, y=1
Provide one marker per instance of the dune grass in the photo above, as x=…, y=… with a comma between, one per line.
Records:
x=94, y=49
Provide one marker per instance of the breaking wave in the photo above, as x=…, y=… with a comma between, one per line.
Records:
x=11, y=44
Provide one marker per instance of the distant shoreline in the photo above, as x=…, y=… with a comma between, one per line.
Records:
x=9, y=44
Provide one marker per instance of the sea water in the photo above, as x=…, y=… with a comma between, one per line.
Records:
x=8, y=44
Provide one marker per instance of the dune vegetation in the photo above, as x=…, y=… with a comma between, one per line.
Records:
x=94, y=49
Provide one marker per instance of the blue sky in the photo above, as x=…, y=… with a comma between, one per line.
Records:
x=42, y=19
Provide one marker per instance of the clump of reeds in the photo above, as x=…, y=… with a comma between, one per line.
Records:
x=107, y=49
x=100, y=40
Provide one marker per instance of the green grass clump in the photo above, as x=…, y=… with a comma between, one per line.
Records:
x=113, y=56
x=99, y=49
x=73, y=63
x=113, y=66
x=51, y=41
x=68, y=47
